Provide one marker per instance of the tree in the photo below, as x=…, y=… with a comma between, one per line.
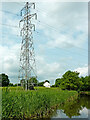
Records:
x=22, y=82
x=30, y=83
x=47, y=81
x=10, y=84
x=15, y=85
x=33, y=80
x=86, y=83
x=53, y=86
x=40, y=83
x=4, y=80
x=70, y=80
x=19, y=84
x=58, y=82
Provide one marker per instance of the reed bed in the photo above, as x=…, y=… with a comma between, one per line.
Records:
x=21, y=104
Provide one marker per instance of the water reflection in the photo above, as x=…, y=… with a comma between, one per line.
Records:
x=76, y=109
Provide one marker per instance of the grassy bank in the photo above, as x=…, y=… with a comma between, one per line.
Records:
x=17, y=103
x=85, y=92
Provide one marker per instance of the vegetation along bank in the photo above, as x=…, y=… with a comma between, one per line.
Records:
x=21, y=104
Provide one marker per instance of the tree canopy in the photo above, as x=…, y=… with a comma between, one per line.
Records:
x=4, y=80
x=47, y=81
x=33, y=80
x=40, y=83
x=71, y=81
x=86, y=83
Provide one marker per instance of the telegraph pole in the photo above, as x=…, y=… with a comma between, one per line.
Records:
x=27, y=55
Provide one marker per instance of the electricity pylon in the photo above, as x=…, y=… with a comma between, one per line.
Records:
x=27, y=55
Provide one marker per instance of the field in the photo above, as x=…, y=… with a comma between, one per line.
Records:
x=17, y=103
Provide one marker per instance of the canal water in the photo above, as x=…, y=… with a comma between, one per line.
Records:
x=79, y=108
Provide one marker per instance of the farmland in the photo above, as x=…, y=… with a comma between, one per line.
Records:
x=18, y=103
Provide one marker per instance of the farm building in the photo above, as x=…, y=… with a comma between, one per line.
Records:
x=46, y=84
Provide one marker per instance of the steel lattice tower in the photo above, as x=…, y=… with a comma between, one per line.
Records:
x=27, y=55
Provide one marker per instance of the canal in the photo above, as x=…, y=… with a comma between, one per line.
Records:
x=76, y=109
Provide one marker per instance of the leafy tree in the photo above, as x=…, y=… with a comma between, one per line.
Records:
x=33, y=80
x=30, y=83
x=22, y=82
x=47, y=81
x=15, y=85
x=4, y=80
x=53, y=86
x=19, y=84
x=58, y=82
x=86, y=83
x=10, y=84
x=40, y=83
x=70, y=80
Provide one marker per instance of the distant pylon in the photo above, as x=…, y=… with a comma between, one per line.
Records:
x=27, y=55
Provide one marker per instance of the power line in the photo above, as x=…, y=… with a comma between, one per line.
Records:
x=37, y=32
x=40, y=10
x=38, y=35
x=49, y=26
x=9, y=25
x=58, y=32
x=9, y=12
x=41, y=23
x=19, y=3
x=71, y=51
x=44, y=24
x=54, y=27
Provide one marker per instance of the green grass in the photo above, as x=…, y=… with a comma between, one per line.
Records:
x=17, y=103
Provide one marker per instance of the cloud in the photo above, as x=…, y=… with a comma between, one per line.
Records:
x=10, y=61
x=12, y=24
x=50, y=71
x=62, y=25
x=45, y=70
x=82, y=70
x=56, y=22
x=10, y=65
x=84, y=113
x=65, y=24
x=62, y=41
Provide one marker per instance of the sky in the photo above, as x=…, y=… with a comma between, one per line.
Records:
x=60, y=39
